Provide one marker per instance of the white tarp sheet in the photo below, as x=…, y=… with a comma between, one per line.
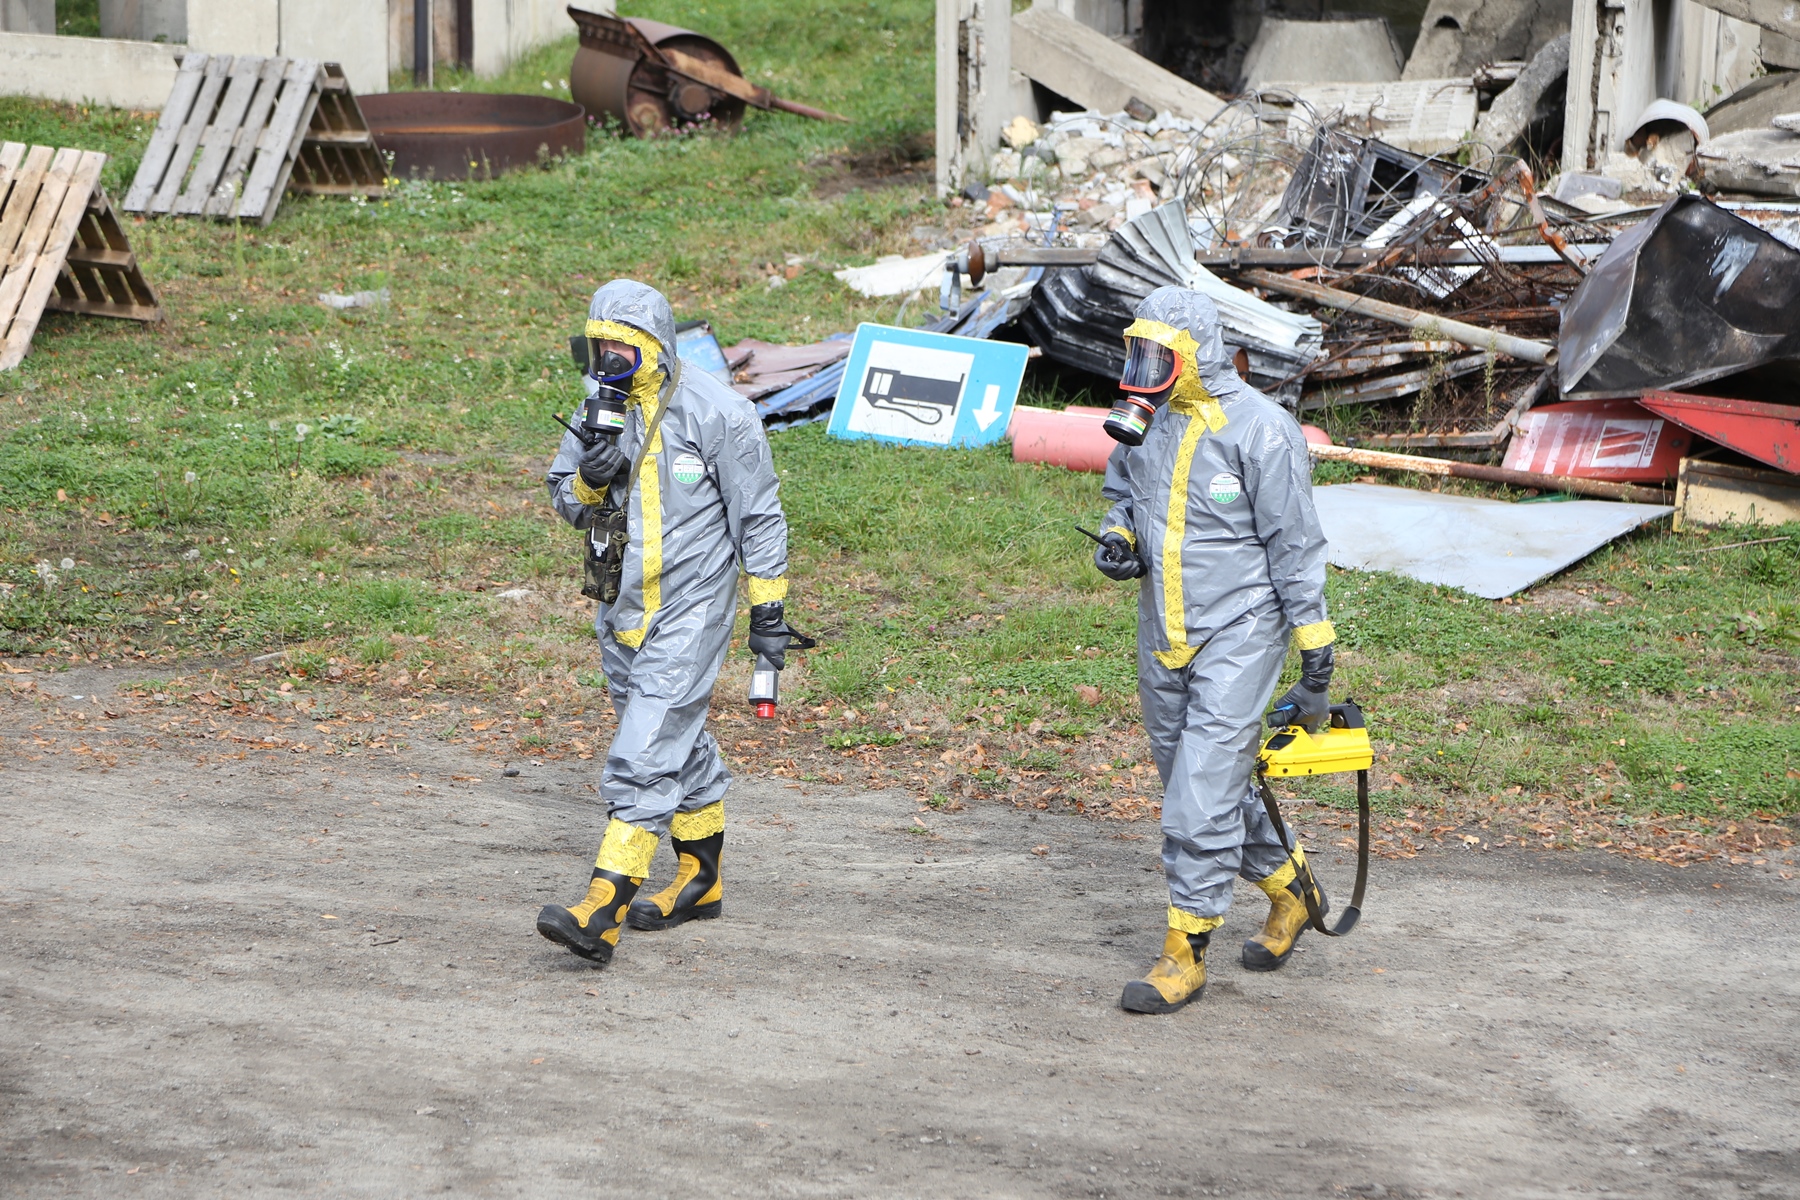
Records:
x=1487, y=547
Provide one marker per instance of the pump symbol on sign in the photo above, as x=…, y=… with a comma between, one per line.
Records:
x=911, y=392
x=925, y=399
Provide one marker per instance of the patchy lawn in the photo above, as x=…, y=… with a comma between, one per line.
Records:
x=361, y=493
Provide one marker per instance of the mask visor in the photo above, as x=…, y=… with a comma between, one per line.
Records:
x=1150, y=367
x=609, y=366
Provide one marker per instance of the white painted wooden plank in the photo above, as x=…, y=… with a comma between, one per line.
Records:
x=168, y=128
x=244, y=144
x=198, y=119
x=84, y=178
x=26, y=182
x=221, y=133
x=281, y=141
x=24, y=258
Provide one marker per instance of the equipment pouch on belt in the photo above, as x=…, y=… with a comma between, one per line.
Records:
x=603, y=563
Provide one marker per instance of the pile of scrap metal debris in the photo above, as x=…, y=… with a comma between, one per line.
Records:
x=1407, y=302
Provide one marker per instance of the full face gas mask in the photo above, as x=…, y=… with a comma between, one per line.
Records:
x=1144, y=386
x=608, y=385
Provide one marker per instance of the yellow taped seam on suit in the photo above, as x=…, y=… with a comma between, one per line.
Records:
x=1189, y=923
x=701, y=823
x=647, y=379
x=586, y=494
x=644, y=386
x=767, y=591
x=1280, y=879
x=626, y=850
x=650, y=513
x=1311, y=637
x=1179, y=653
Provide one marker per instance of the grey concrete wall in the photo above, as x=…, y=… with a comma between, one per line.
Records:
x=78, y=70
x=352, y=33
x=144, y=20
x=28, y=16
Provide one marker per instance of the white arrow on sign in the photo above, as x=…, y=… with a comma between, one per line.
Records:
x=989, y=412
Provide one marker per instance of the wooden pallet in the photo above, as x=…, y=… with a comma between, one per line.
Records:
x=338, y=156
x=236, y=130
x=61, y=246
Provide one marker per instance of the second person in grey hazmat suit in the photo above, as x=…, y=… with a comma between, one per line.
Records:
x=705, y=500
x=1214, y=513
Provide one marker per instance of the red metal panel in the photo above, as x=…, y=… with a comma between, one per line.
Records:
x=1769, y=433
x=1598, y=439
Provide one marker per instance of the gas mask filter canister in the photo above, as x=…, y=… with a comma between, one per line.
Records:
x=609, y=383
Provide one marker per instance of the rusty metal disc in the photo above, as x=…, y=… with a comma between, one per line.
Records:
x=610, y=75
x=461, y=135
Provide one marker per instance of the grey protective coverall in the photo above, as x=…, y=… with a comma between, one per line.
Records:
x=1218, y=503
x=706, y=500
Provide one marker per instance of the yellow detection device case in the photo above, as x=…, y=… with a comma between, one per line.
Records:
x=1342, y=745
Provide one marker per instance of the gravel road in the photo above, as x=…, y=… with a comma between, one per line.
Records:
x=285, y=975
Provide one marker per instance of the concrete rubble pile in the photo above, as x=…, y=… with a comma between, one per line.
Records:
x=1388, y=265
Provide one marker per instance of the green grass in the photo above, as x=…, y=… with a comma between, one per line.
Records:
x=260, y=473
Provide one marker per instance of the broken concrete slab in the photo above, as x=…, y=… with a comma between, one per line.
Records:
x=1777, y=16
x=1458, y=36
x=1359, y=50
x=1763, y=162
x=1515, y=108
x=1755, y=104
x=1096, y=72
x=1489, y=548
x=1425, y=116
x=1624, y=54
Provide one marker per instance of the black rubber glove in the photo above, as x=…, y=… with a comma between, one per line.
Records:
x=1116, y=559
x=769, y=633
x=601, y=463
x=1308, y=703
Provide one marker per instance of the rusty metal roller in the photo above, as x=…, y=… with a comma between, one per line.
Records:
x=655, y=77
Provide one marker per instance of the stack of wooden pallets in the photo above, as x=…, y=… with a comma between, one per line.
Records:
x=237, y=131
x=61, y=246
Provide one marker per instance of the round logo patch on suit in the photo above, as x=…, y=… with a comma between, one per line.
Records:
x=1224, y=488
x=687, y=469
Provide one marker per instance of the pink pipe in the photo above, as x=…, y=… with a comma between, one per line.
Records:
x=1071, y=438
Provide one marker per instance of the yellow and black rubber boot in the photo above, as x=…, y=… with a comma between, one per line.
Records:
x=591, y=928
x=1287, y=920
x=696, y=892
x=1179, y=975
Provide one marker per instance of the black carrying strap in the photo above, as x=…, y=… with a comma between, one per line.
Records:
x=662, y=406
x=1308, y=887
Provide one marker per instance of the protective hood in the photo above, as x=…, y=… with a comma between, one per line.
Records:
x=637, y=314
x=1187, y=322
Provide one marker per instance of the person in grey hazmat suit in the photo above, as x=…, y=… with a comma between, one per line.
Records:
x=692, y=469
x=1214, y=513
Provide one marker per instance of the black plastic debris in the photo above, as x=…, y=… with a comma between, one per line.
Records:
x=1691, y=294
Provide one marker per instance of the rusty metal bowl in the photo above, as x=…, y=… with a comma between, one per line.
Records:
x=609, y=75
x=464, y=135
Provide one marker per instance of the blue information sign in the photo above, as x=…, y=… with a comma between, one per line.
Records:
x=927, y=389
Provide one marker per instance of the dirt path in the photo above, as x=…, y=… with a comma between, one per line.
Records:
x=288, y=974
